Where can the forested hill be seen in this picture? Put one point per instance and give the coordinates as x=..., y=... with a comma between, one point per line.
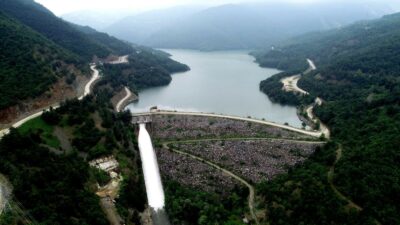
x=361, y=55
x=118, y=47
x=358, y=77
x=29, y=63
x=40, y=51
x=83, y=44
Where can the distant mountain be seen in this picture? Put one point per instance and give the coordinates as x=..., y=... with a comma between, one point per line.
x=62, y=33
x=243, y=26
x=138, y=28
x=96, y=19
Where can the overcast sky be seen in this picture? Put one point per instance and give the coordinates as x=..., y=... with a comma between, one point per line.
x=61, y=7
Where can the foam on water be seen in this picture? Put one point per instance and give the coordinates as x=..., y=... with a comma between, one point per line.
x=154, y=188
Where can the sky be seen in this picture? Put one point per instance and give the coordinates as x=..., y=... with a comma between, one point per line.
x=60, y=7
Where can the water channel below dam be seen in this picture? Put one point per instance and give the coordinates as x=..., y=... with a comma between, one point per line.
x=219, y=82
x=152, y=178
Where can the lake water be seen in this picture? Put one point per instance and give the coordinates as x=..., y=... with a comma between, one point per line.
x=218, y=82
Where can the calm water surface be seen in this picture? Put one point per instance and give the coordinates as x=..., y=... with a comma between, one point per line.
x=219, y=82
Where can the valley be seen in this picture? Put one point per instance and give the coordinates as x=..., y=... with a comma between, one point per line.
x=245, y=114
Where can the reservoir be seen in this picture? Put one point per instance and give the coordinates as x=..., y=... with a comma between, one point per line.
x=219, y=82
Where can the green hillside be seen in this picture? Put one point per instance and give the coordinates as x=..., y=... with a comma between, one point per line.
x=54, y=185
x=146, y=68
x=62, y=33
x=119, y=47
x=38, y=48
x=358, y=78
x=29, y=63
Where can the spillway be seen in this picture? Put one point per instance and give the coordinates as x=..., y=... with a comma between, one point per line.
x=154, y=188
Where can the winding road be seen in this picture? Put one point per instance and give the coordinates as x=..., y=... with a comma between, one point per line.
x=122, y=101
x=310, y=114
x=3, y=188
x=87, y=91
x=88, y=86
x=290, y=85
x=331, y=174
x=227, y=172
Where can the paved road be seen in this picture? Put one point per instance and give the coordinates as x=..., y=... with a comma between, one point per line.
x=322, y=127
x=3, y=191
x=122, y=101
x=229, y=173
x=87, y=91
x=290, y=85
x=298, y=130
x=88, y=86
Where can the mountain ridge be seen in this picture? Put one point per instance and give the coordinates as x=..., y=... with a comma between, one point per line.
x=238, y=26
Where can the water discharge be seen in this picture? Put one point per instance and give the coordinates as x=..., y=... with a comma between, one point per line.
x=154, y=188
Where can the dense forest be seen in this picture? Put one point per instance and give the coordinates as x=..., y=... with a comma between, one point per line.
x=358, y=79
x=119, y=47
x=146, y=68
x=38, y=49
x=29, y=57
x=55, y=185
x=62, y=33
x=186, y=205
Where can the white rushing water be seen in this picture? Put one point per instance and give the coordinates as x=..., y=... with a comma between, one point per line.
x=154, y=188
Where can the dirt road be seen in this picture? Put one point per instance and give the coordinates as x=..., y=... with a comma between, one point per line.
x=229, y=173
